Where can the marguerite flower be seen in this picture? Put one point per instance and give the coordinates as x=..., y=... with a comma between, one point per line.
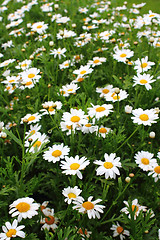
x=134, y=207
x=145, y=117
x=72, y=166
x=143, y=79
x=50, y=107
x=90, y=207
x=69, y=89
x=58, y=52
x=98, y=111
x=33, y=130
x=109, y=167
x=50, y=221
x=122, y=54
x=102, y=131
x=31, y=118
x=37, y=140
x=112, y=96
x=30, y=74
x=143, y=65
x=155, y=172
x=119, y=231
x=84, y=70
x=24, y=65
x=12, y=230
x=56, y=152
x=145, y=160
x=96, y=61
x=39, y=27
x=24, y=208
x=71, y=194
x=105, y=90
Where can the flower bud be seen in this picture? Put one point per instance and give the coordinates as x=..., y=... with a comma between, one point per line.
x=51, y=43
x=127, y=179
x=117, y=90
x=128, y=109
x=152, y=134
x=3, y=135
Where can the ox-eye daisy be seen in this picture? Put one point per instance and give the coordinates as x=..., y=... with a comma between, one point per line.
x=24, y=208
x=122, y=55
x=12, y=230
x=96, y=61
x=90, y=207
x=24, y=65
x=39, y=27
x=145, y=160
x=30, y=74
x=134, y=207
x=112, y=96
x=69, y=89
x=155, y=172
x=102, y=131
x=143, y=79
x=58, y=52
x=37, y=140
x=143, y=65
x=119, y=231
x=72, y=194
x=98, y=111
x=109, y=167
x=72, y=166
x=56, y=152
x=50, y=107
x=105, y=90
x=145, y=117
x=83, y=70
x=50, y=221
x=31, y=118
x=33, y=130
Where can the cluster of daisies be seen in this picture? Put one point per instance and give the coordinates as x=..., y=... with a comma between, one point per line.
x=65, y=42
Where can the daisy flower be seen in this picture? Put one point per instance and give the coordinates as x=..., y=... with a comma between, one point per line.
x=37, y=140
x=58, y=52
x=112, y=96
x=96, y=61
x=102, y=131
x=72, y=166
x=145, y=160
x=90, y=207
x=71, y=194
x=75, y=118
x=33, y=130
x=119, y=231
x=65, y=64
x=69, y=89
x=24, y=65
x=98, y=111
x=31, y=118
x=143, y=65
x=67, y=128
x=84, y=233
x=6, y=62
x=24, y=208
x=109, y=167
x=56, y=152
x=50, y=107
x=88, y=128
x=143, y=79
x=134, y=207
x=84, y=70
x=145, y=117
x=50, y=221
x=12, y=230
x=106, y=34
x=39, y=27
x=105, y=90
x=30, y=74
x=11, y=80
x=155, y=172
x=122, y=55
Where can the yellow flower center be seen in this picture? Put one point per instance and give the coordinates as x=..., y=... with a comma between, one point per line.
x=10, y=81
x=28, y=83
x=23, y=207
x=145, y=161
x=100, y=109
x=123, y=55
x=96, y=61
x=8, y=87
x=69, y=127
x=134, y=207
x=56, y=153
x=50, y=220
x=143, y=81
x=80, y=79
x=70, y=90
x=88, y=125
x=143, y=65
x=102, y=130
x=120, y=230
x=144, y=117
x=71, y=195
x=75, y=119
x=11, y=232
x=33, y=132
x=74, y=166
x=51, y=109
x=157, y=169
x=39, y=26
x=116, y=97
x=31, y=118
x=152, y=15
x=83, y=72
x=37, y=144
x=31, y=75
x=108, y=165
x=158, y=44
x=105, y=91
x=24, y=65
x=89, y=26
x=66, y=64
x=107, y=34
x=88, y=205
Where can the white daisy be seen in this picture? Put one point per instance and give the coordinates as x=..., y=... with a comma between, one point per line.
x=33, y=130
x=121, y=55
x=83, y=70
x=69, y=89
x=71, y=194
x=134, y=207
x=88, y=128
x=105, y=90
x=30, y=74
x=96, y=61
x=56, y=152
x=143, y=65
x=112, y=96
x=145, y=117
x=119, y=231
x=98, y=111
x=50, y=221
x=37, y=140
x=155, y=172
x=109, y=167
x=145, y=160
x=72, y=166
x=24, y=65
x=143, y=79
x=24, y=208
x=31, y=118
x=90, y=207
x=6, y=62
x=50, y=107
x=12, y=230
x=39, y=27
x=58, y=52
x=102, y=131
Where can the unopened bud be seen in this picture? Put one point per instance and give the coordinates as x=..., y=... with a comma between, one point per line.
x=152, y=134
x=128, y=109
x=151, y=40
x=49, y=85
x=3, y=135
x=135, y=43
x=25, y=120
x=51, y=43
x=31, y=57
x=23, y=49
x=27, y=97
x=117, y=90
x=127, y=179
x=131, y=175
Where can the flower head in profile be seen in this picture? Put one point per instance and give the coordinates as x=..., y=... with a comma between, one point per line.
x=145, y=117
x=49, y=221
x=119, y=231
x=90, y=207
x=12, y=230
x=24, y=208
x=72, y=166
x=135, y=207
x=109, y=167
